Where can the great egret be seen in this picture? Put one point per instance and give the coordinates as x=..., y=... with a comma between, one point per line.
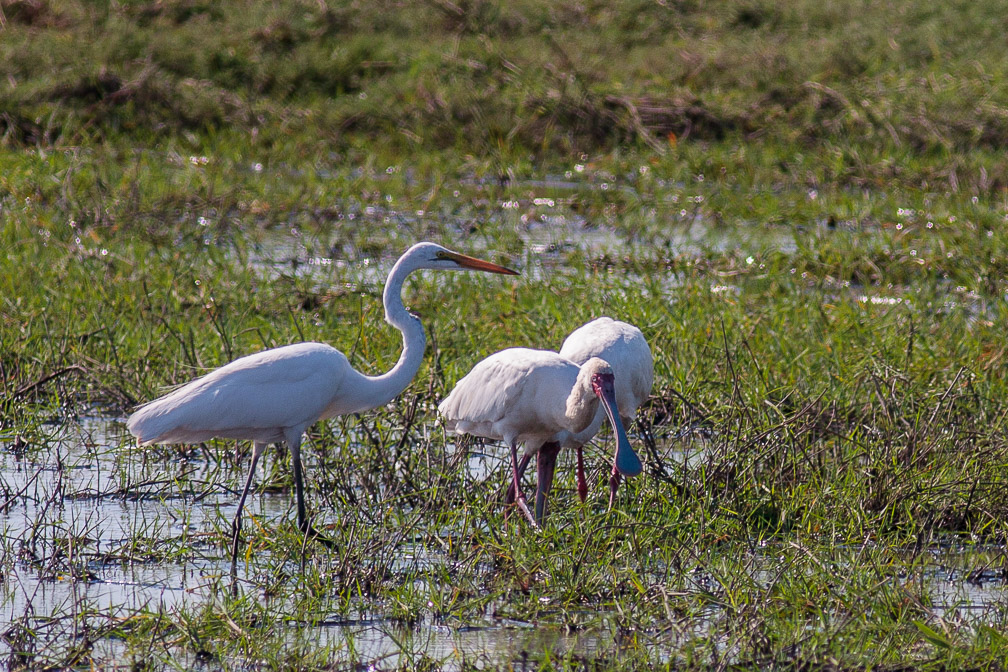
x=276, y=394
x=538, y=398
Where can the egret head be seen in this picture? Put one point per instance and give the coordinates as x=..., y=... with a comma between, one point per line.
x=434, y=256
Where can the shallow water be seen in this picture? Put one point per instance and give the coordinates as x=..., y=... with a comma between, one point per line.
x=549, y=229
x=551, y=235
x=82, y=529
x=82, y=523
x=96, y=494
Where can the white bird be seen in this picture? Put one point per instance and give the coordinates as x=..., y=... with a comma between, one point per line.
x=276, y=394
x=538, y=398
x=625, y=348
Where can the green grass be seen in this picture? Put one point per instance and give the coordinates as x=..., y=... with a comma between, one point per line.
x=808, y=203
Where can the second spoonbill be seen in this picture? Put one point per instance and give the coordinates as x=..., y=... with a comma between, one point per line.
x=538, y=398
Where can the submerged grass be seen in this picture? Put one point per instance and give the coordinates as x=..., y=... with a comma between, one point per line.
x=801, y=205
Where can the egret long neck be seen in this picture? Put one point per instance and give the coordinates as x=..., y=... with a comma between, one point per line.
x=379, y=390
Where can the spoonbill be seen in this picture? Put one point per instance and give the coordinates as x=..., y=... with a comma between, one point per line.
x=275, y=395
x=625, y=348
x=541, y=399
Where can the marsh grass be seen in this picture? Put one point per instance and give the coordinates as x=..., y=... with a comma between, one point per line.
x=800, y=432
x=801, y=205
x=811, y=452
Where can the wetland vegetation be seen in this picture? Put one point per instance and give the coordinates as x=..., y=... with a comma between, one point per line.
x=801, y=204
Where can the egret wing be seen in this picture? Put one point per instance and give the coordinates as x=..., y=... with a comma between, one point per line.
x=254, y=397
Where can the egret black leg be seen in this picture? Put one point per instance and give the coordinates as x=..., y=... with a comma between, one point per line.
x=297, y=468
x=303, y=523
x=236, y=524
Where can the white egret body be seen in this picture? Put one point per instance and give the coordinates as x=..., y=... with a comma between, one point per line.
x=275, y=395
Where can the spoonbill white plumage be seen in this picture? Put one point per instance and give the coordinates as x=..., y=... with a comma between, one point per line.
x=276, y=394
x=538, y=398
x=625, y=348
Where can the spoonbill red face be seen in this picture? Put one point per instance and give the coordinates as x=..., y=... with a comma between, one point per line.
x=626, y=461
